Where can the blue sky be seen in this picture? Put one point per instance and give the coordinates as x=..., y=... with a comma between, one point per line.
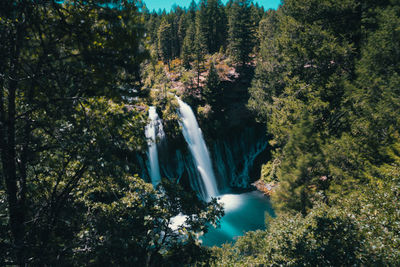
x=167, y=4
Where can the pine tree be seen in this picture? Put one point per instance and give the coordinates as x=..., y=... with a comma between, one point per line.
x=300, y=172
x=240, y=37
x=152, y=26
x=188, y=46
x=217, y=25
x=165, y=41
x=200, y=49
x=202, y=22
x=182, y=28
x=212, y=90
x=192, y=11
x=175, y=18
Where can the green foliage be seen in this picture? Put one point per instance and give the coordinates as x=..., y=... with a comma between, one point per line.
x=240, y=41
x=301, y=170
x=156, y=79
x=214, y=23
x=374, y=210
x=308, y=71
x=212, y=91
x=187, y=48
x=164, y=36
x=208, y=21
x=327, y=85
x=57, y=60
x=269, y=171
x=360, y=229
x=69, y=135
x=170, y=117
x=326, y=237
x=131, y=224
x=199, y=48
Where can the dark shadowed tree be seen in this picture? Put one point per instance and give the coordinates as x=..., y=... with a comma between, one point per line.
x=240, y=36
x=199, y=48
x=165, y=41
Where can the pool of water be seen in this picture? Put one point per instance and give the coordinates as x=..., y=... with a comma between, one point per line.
x=243, y=212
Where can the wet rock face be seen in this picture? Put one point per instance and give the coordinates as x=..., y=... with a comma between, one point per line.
x=235, y=157
x=237, y=144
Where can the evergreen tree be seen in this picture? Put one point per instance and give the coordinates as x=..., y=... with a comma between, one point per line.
x=199, y=48
x=188, y=46
x=305, y=60
x=69, y=143
x=174, y=19
x=308, y=66
x=152, y=26
x=240, y=36
x=202, y=22
x=64, y=67
x=212, y=90
x=301, y=170
x=164, y=37
x=257, y=14
x=182, y=28
x=192, y=11
x=217, y=26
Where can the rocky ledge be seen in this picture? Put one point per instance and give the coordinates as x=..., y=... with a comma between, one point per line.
x=266, y=188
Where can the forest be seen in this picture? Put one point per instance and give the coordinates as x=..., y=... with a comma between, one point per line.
x=116, y=121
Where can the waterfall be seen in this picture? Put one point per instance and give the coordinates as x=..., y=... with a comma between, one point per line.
x=197, y=146
x=154, y=129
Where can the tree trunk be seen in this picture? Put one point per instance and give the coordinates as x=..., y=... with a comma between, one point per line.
x=15, y=194
x=15, y=203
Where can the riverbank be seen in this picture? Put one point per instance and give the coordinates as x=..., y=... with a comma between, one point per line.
x=266, y=188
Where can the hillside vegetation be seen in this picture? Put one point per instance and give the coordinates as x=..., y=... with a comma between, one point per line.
x=76, y=80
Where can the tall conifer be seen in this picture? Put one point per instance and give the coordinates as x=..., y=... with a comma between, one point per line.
x=164, y=41
x=200, y=48
x=188, y=46
x=240, y=42
x=217, y=25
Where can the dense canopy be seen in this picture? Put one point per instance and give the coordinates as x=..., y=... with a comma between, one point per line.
x=76, y=80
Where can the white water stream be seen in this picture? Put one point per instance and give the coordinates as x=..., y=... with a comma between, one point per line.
x=243, y=212
x=154, y=129
x=194, y=138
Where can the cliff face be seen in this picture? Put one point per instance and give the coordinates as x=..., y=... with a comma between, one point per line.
x=235, y=157
x=237, y=144
x=236, y=160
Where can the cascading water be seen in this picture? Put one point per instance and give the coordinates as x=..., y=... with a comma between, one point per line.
x=154, y=129
x=233, y=156
x=197, y=146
